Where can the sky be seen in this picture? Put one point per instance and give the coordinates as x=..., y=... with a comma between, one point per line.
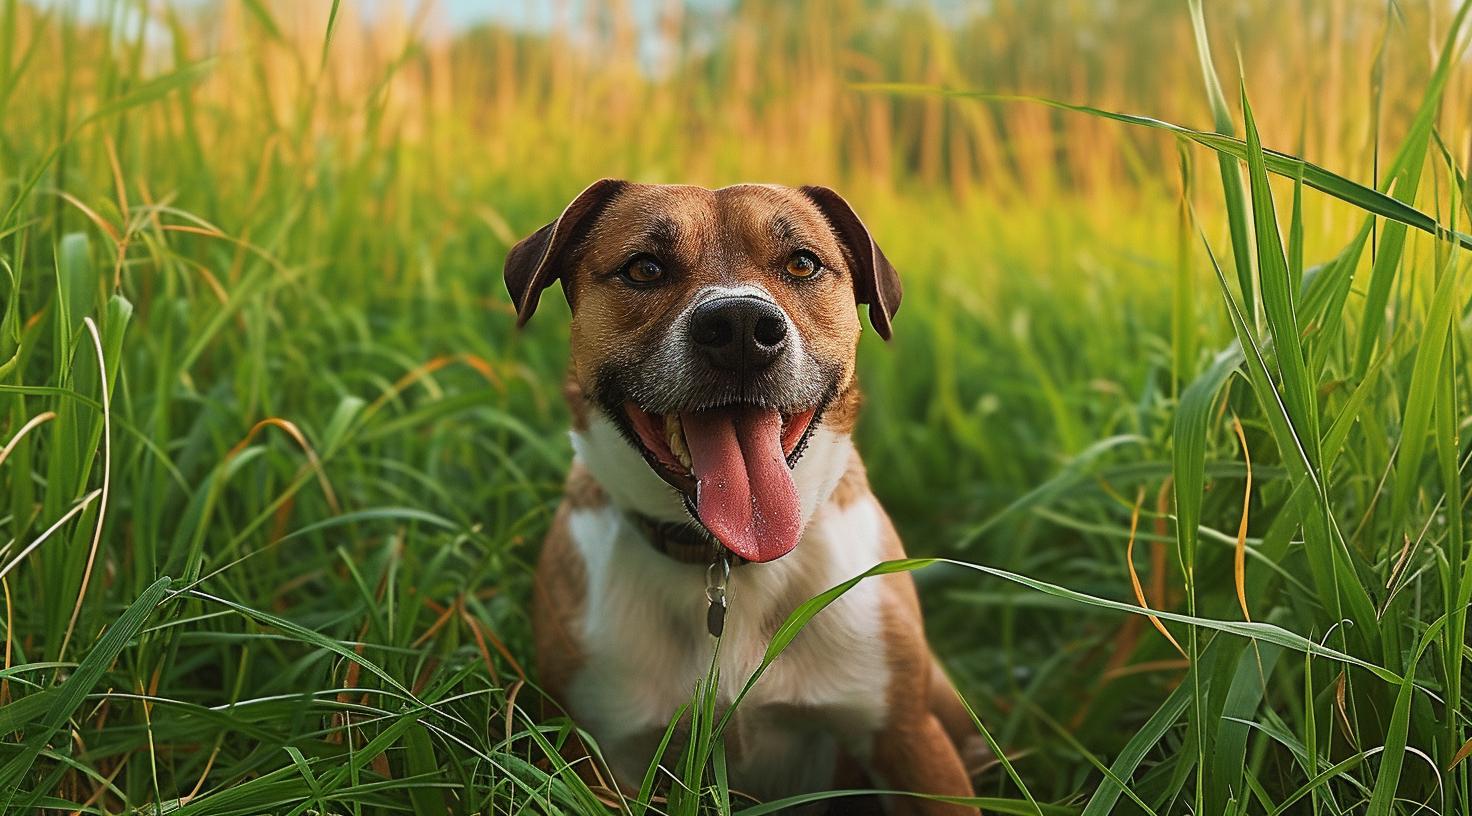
x=449, y=16
x=460, y=14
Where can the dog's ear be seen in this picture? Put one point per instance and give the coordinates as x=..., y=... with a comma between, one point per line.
x=876, y=282
x=541, y=257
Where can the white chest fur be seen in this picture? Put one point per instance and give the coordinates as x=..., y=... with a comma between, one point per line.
x=645, y=645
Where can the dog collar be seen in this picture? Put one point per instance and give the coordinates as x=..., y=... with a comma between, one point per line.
x=689, y=543
x=683, y=541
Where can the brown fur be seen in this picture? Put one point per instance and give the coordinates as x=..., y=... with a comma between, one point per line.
x=729, y=236
x=581, y=490
x=577, y=404
x=916, y=751
x=853, y=486
x=843, y=414
x=735, y=235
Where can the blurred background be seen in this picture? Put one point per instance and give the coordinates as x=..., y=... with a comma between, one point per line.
x=717, y=89
x=289, y=219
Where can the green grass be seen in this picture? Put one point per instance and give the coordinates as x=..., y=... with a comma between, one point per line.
x=281, y=561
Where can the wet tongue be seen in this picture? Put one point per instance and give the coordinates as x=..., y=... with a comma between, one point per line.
x=745, y=495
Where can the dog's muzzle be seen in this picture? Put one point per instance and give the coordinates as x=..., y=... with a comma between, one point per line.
x=721, y=408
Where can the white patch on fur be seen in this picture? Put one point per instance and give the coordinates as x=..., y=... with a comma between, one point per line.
x=645, y=644
x=718, y=291
x=823, y=463
x=622, y=471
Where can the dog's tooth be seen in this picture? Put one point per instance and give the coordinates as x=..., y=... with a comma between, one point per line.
x=675, y=434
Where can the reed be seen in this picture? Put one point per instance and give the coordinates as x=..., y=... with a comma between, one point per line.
x=1175, y=428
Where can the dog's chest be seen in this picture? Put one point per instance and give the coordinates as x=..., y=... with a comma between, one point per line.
x=645, y=649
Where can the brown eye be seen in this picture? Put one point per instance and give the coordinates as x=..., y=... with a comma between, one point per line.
x=642, y=270
x=803, y=265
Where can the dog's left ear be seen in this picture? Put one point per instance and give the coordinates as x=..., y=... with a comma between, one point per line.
x=876, y=282
x=540, y=258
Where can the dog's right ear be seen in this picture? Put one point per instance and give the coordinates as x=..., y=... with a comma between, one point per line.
x=541, y=257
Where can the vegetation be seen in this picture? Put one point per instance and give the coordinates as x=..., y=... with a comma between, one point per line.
x=274, y=462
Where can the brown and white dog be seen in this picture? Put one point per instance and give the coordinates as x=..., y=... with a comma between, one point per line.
x=713, y=394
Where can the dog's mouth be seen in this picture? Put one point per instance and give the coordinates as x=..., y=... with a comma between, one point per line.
x=733, y=466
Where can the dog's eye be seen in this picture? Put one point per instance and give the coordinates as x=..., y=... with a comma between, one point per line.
x=803, y=265
x=642, y=270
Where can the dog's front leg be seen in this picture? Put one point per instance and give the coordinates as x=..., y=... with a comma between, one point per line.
x=915, y=754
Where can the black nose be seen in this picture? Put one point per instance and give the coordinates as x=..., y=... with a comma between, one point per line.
x=738, y=333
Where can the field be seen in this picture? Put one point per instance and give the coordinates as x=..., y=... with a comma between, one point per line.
x=275, y=463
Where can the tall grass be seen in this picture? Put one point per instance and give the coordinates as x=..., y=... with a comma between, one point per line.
x=1187, y=430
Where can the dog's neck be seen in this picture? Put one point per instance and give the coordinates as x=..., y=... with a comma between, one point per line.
x=632, y=486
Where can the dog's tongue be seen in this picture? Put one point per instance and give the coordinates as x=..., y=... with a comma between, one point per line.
x=746, y=496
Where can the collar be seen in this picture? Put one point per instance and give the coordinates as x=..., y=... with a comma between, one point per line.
x=684, y=541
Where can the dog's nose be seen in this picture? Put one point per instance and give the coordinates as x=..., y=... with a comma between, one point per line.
x=740, y=333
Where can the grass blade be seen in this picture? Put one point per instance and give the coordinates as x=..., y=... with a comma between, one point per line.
x=71, y=694
x=1278, y=163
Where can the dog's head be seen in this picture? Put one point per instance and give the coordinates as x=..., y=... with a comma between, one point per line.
x=713, y=327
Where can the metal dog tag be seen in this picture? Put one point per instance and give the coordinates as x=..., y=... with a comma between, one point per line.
x=716, y=576
x=715, y=618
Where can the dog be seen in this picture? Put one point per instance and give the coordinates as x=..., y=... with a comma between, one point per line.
x=715, y=487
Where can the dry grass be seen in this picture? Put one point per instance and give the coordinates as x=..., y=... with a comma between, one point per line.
x=323, y=428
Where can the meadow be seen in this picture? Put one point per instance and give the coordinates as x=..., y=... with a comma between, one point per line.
x=1185, y=414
